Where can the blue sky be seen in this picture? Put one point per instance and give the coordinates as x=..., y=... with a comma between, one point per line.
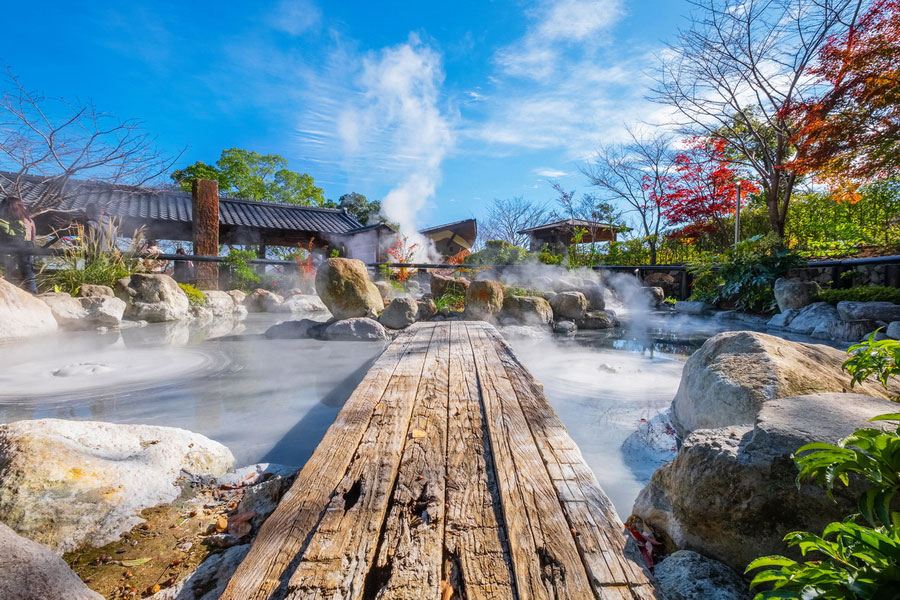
x=437, y=107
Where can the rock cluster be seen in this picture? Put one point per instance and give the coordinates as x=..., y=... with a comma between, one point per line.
x=344, y=286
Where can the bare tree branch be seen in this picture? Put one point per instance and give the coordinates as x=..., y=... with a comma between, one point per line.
x=505, y=218
x=61, y=140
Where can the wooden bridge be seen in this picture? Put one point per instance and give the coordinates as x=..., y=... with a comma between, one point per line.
x=446, y=475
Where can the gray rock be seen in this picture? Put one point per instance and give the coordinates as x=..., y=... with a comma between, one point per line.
x=302, y=304
x=566, y=327
x=812, y=316
x=209, y=580
x=783, y=319
x=23, y=315
x=355, y=330
x=795, y=294
x=102, y=310
x=594, y=294
x=71, y=484
x=221, y=304
x=344, y=286
x=655, y=294
x=292, y=330
x=569, y=305
x=153, y=297
x=89, y=290
x=686, y=575
x=67, y=310
x=729, y=379
x=385, y=289
x=238, y=296
x=845, y=331
x=731, y=493
x=400, y=313
x=893, y=330
x=530, y=310
x=261, y=300
x=668, y=283
x=597, y=319
x=30, y=571
x=427, y=309
x=872, y=311
x=692, y=307
x=262, y=498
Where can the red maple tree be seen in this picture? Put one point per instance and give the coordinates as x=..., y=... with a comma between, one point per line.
x=851, y=133
x=702, y=192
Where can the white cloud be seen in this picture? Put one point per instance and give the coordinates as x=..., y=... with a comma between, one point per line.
x=550, y=173
x=295, y=16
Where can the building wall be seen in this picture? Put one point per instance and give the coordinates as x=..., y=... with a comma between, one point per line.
x=363, y=246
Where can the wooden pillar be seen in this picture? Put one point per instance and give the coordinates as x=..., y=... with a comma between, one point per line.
x=205, y=194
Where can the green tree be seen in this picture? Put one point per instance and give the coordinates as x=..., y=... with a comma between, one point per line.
x=254, y=176
x=366, y=211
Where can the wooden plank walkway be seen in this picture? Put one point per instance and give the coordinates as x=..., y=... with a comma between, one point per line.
x=446, y=476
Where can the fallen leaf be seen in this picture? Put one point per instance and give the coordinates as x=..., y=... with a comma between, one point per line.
x=418, y=433
x=239, y=524
x=135, y=563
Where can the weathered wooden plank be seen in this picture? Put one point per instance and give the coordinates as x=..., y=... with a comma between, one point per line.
x=545, y=559
x=600, y=535
x=477, y=565
x=340, y=552
x=409, y=560
x=283, y=535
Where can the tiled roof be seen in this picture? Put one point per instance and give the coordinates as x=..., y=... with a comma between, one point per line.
x=172, y=205
x=570, y=223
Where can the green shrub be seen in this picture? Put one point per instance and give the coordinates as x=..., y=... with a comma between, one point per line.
x=706, y=278
x=453, y=299
x=498, y=252
x=242, y=275
x=861, y=555
x=750, y=270
x=868, y=293
x=868, y=358
x=195, y=296
x=520, y=291
x=84, y=260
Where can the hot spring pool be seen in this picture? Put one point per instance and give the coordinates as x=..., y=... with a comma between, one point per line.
x=272, y=400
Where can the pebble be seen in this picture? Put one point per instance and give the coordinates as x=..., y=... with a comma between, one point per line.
x=185, y=546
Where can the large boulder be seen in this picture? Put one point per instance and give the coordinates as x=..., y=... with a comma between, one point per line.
x=893, y=330
x=261, y=300
x=686, y=575
x=66, y=310
x=731, y=492
x=869, y=311
x=221, y=304
x=71, y=484
x=103, y=311
x=30, y=571
x=484, y=299
x=86, y=312
x=344, y=286
x=597, y=319
x=812, y=317
x=729, y=379
x=530, y=310
x=153, y=297
x=594, y=294
x=89, y=290
x=292, y=330
x=400, y=313
x=795, y=294
x=360, y=329
x=569, y=306
x=846, y=331
x=440, y=285
x=23, y=315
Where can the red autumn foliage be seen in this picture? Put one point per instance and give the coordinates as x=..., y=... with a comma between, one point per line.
x=852, y=132
x=702, y=191
x=306, y=266
x=401, y=251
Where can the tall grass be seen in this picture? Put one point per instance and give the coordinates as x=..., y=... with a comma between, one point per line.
x=86, y=259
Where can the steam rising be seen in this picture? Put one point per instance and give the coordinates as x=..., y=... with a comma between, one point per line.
x=400, y=89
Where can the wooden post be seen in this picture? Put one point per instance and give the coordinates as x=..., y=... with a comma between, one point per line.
x=205, y=195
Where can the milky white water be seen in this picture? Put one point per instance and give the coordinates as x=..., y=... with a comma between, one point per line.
x=272, y=400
